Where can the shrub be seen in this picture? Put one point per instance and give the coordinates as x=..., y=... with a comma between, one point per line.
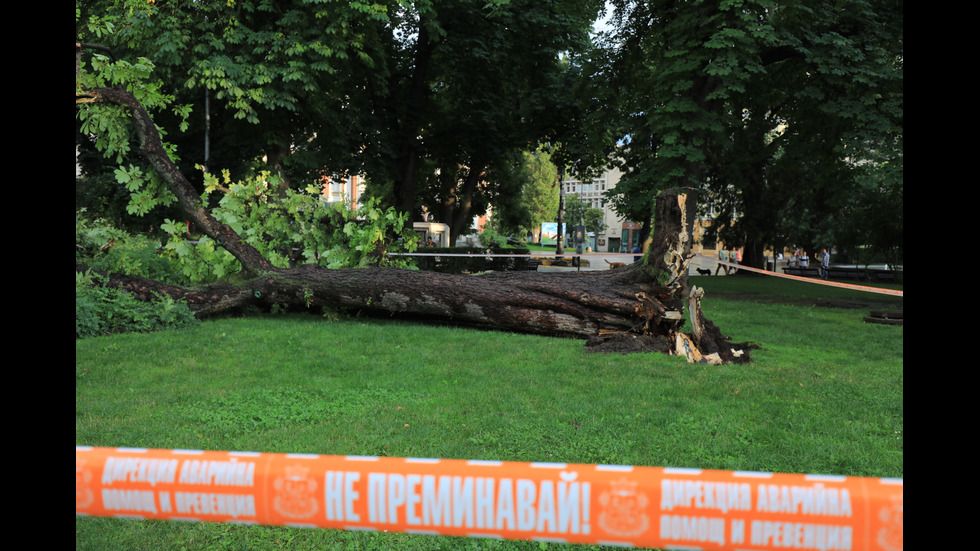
x=105, y=248
x=296, y=227
x=101, y=310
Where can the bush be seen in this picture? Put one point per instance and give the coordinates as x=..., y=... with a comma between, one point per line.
x=101, y=310
x=105, y=248
x=296, y=228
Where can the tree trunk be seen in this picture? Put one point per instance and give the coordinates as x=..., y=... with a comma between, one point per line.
x=459, y=220
x=643, y=301
x=610, y=308
x=411, y=127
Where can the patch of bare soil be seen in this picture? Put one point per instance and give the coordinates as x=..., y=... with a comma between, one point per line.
x=631, y=343
x=738, y=353
x=730, y=352
x=849, y=304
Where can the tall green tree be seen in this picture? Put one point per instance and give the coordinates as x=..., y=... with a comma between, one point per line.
x=405, y=93
x=269, y=82
x=540, y=192
x=767, y=108
x=494, y=90
x=577, y=211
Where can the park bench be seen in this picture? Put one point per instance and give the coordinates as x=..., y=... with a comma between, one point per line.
x=864, y=273
x=804, y=272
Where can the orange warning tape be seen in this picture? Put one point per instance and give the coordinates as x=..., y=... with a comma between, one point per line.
x=865, y=288
x=554, y=502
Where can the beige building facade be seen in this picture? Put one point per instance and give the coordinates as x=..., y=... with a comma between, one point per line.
x=620, y=235
x=337, y=188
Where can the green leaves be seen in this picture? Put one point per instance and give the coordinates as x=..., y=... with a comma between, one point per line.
x=132, y=177
x=147, y=190
x=109, y=125
x=753, y=101
x=103, y=310
x=198, y=259
x=362, y=237
x=292, y=227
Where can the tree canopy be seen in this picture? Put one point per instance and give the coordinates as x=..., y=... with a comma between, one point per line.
x=743, y=99
x=781, y=112
x=432, y=101
x=787, y=116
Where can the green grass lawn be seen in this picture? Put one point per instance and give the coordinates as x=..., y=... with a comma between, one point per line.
x=823, y=394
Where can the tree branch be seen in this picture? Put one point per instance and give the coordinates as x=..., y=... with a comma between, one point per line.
x=151, y=147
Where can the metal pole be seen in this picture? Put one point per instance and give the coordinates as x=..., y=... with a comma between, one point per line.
x=561, y=211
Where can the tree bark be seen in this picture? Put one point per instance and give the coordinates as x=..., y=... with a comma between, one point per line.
x=409, y=159
x=151, y=147
x=646, y=299
x=459, y=214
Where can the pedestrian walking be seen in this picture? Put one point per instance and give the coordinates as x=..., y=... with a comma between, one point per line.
x=723, y=257
x=736, y=257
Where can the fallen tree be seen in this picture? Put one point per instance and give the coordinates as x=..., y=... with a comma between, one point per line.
x=640, y=307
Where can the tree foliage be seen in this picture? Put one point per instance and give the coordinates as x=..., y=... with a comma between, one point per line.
x=773, y=109
x=578, y=211
x=540, y=193
x=431, y=101
x=788, y=116
x=290, y=229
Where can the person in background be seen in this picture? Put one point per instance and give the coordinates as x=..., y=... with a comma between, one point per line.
x=824, y=263
x=723, y=257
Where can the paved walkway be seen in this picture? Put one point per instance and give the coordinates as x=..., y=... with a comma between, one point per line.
x=599, y=261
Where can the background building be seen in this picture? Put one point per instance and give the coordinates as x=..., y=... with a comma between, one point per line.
x=620, y=235
x=339, y=188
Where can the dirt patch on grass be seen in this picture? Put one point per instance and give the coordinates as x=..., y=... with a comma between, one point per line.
x=846, y=303
x=632, y=343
